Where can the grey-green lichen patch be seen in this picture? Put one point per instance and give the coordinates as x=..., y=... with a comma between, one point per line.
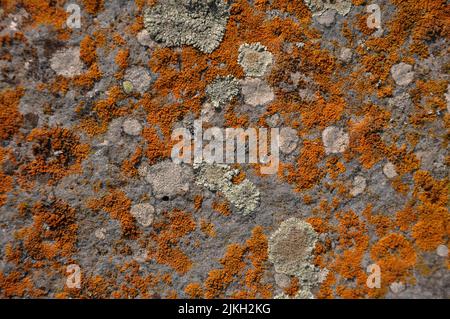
x=200, y=23
x=218, y=177
x=222, y=90
x=244, y=196
x=318, y=7
x=291, y=251
x=254, y=59
x=214, y=177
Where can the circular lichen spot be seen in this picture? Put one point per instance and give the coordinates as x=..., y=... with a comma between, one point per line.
x=254, y=59
x=143, y=213
x=127, y=87
x=291, y=246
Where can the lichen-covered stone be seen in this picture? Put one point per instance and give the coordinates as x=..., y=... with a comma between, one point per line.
x=127, y=87
x=244, y=196
x=144, y=39
x=288, y=140
x=397, y=287
x=359, y=185
x=346, y=55
x=442, y=251
x=389, y=170
x=327, y=18
x=291, y=250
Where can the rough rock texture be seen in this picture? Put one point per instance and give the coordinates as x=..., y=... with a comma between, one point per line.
x=86, y=123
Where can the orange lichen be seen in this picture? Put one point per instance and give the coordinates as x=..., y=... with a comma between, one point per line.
x=433, y=216
x=219, y=279
x=15, y=284
x=306, y=173
x=365, y=139
x=198, y=201
x=10, y=117
x=396, y=256
x=122, y=58
x=293, y=287
x=7, y=181
x=53, y=232
x=169, y=233
x=322, y=113
x=118, y=205
x=335, y=167
x=88, y=78
x=308, y=199
x=129, y=166
x=234, y=265
x=93, y=6
x=46, y=12
x=57, y=153
x=88, y=47
x=157, y=149
x=239, y=178
x=222, y=207
x=194, y=290
x=137, y=26
x=405, y=218
x=347, y=265
x=107, y=109
x=207, y=228
x=399, y=186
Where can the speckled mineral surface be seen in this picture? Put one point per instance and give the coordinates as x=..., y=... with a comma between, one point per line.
x=136, y=139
